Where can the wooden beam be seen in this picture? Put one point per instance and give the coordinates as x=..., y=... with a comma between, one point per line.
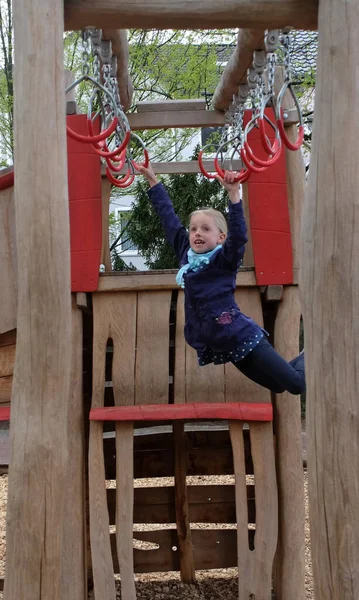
x=120, y=49
x=330, y=298
x=235, y=71
x=118, y=281
x=176, y=168
x=184, y=14
x=161, y=105
x=170, y=119
x=39, y=443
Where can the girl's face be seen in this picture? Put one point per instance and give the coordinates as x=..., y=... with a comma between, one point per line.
x=204, y=235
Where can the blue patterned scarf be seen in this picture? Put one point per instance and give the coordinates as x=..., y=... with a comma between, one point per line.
x=195, y=263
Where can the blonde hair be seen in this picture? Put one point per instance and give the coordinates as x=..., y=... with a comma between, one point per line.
x=216, y=215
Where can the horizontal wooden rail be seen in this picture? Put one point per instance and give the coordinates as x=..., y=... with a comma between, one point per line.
x=179, y=168
x=126, y=281
x=168, y=119
x=183, y=14
x=240, y=411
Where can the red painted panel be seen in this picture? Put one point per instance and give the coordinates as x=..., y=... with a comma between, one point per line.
x=240, y=411
x=85, y=203
x=269, y=217
x=4, y=413
x=6, y=180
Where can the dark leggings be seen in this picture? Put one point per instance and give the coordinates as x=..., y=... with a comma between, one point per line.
x=265, y=366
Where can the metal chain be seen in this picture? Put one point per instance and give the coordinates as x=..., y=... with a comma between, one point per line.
x=271, y=44
x=271, y=65
x=85, y=52
x=96, y=36
x=287, y=66
x=106, y=58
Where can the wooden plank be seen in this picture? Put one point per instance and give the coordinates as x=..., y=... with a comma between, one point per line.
x=237, y=385
x=103, y=575
x=208, y=453
x=242, y=411
x=181, y=506
x=6, y=384
x=74, y=562
x=235, y=71
x=120, y=49
x=152, y=369
x=163, y=105
x=8, y=261
x=180, y=167
x=258, y=571
x=213, y=549
x=207, y=504
x=39, y=441
x=124, y=508
x=118, y=281
x=176, y=14
x=7, y=360
x=290, y=565
x=115, y=318
x=172, y=119
x=295, y=174
x=248, y=255
x=104, y=316
x=193, y=383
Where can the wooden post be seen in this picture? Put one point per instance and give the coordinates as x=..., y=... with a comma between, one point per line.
x=289, y=563
x=105, y=249
x=41, y=392
x=330, y=299
x=120, y=49
x=182, y=508
x=74, y=563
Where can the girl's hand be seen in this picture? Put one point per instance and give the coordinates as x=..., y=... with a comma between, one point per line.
x=149, y=173
x=230, y=185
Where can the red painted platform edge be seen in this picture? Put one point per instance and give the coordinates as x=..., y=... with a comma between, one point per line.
x=238, y=411
x=6, y=180
x=5, y=413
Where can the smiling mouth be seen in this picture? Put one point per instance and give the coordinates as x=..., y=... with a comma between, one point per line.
x=199, y=242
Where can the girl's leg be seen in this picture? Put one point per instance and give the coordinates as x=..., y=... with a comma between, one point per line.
x=267, y=368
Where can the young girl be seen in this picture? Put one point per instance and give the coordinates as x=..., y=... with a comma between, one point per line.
x=209, y=257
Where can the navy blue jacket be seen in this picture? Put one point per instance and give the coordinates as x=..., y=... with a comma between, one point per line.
x=210, y=291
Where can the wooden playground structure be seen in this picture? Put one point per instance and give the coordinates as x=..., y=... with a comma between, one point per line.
x=126, y=336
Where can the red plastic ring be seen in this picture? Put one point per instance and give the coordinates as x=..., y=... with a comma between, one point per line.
x=146, y=161
x=286, y=141
x=258, y=161
x=85, y=139
x=121, y=183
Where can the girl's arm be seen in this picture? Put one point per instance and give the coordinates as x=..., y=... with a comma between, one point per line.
x=176, y=234
x=234, y=246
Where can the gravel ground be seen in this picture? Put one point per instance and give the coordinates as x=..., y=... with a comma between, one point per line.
x=210, y=585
